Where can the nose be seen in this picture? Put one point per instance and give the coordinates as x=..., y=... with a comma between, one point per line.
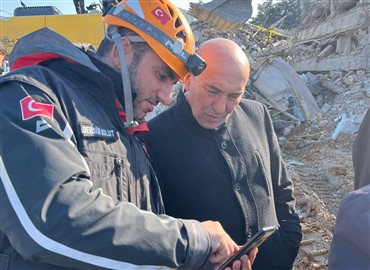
x=219, y=105
x=165, y=94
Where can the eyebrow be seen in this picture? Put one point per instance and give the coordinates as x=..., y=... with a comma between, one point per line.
x=170, y=73
x=215, y=88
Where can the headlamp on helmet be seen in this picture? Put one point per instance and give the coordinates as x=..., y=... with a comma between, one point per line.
x=162, y=25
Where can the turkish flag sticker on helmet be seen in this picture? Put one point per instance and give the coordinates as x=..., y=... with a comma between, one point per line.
x=161, y=16
x=31, y=108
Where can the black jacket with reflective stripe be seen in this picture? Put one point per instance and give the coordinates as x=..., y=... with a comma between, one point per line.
x=73, y=182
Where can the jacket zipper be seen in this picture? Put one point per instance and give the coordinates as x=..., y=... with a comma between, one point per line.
x=119, y=177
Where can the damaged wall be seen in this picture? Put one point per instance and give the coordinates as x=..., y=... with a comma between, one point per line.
x=336, y=35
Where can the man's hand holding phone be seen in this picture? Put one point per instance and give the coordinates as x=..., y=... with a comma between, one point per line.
x=245, y=262
x=250, y=248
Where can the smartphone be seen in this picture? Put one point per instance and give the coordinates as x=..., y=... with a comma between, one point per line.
x=255, y=241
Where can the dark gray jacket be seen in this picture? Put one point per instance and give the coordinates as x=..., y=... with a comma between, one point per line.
x=361, y=153
x=234, y=174
x=350, y=248
x=74, y=184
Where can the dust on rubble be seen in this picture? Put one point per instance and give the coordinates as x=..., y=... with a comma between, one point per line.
x=323, y=177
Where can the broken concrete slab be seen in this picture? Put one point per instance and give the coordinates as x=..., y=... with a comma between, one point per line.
x=351, y=20
x=281, y=85
x=356, y=61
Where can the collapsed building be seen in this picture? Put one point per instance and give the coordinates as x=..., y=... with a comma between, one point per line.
x=333, y=36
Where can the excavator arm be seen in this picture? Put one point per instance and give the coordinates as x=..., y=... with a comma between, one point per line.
x=223, y=14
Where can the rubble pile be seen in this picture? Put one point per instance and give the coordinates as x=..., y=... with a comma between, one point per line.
x=334, y=36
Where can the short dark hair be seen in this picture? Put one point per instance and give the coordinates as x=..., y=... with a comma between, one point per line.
x=106, y=45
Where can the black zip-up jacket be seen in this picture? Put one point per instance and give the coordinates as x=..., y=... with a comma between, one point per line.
x=234, y=174
x=74, y=184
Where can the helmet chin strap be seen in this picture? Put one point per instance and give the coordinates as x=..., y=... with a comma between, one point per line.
x=114, y=36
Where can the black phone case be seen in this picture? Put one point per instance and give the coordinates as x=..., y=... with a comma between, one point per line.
x=255, y=241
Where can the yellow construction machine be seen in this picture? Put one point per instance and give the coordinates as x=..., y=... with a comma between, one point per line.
x=79, y=28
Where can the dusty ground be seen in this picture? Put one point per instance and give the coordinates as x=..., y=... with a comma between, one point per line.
x=322, y=171
x=323, y=179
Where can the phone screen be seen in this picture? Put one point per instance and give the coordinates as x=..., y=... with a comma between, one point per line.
x=255, y=241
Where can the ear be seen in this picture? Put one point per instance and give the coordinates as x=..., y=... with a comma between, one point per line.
x=187, y=81
x=128, y=53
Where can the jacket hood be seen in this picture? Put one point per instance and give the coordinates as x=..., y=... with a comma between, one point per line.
x=45, y=44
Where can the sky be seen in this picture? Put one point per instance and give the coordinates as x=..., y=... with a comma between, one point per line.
x=66, y=6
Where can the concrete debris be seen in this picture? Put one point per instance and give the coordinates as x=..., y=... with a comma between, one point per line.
x=335, y=36
x=342, y=121
x=332, y=86
x=281, y=85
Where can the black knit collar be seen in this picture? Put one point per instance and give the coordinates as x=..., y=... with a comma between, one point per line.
x=187, y=115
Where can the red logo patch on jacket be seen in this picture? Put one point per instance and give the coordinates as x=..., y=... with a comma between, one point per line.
x=31, y=108
x=161, y=16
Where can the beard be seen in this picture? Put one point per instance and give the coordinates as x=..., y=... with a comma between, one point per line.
x=139, y=95
x=135, y=86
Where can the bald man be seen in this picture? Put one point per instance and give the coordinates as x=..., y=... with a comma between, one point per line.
x=218, y=158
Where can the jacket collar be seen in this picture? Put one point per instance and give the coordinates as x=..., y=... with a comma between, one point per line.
x=187, y=114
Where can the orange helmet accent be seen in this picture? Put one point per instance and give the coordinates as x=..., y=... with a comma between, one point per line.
x=162, y=25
